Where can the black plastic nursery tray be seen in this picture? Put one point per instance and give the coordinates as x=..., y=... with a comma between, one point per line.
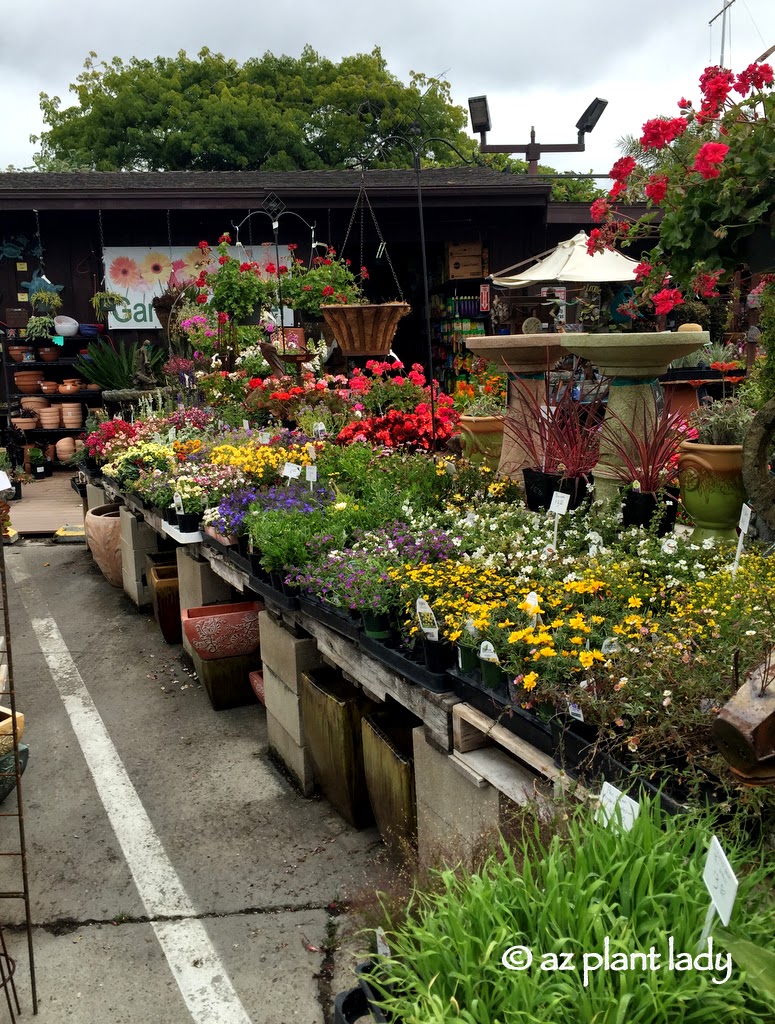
x=412, y=671
x=271, y=595
x=335, y=619
x=521, y=723
x=233, y=554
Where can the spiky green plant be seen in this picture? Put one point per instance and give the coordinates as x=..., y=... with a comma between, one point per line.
x=113, y=367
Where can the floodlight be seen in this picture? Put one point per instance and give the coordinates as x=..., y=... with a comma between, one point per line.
x=591, y=115
x=480, y=113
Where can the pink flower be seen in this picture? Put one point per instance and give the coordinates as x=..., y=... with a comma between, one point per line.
x=599, y=210
x=709, y=156
x=642, y=271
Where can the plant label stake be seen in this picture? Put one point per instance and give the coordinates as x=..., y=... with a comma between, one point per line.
x=426, y=619
x=559, y=507
x=292, y=470
x=310, y=450
x=382, y=943
x=177, y=501
x=721, y=882
x=745, y=522
x=319, y=430
x=487, y=653
x=311, y=474
x=264, y=437
x=246, y=425
x=613, y=805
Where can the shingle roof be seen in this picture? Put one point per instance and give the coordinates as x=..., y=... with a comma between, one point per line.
x=20, y=190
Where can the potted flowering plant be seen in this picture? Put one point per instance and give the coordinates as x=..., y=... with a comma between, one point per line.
x=236, y=288
x=328, y=281
x=708, y=171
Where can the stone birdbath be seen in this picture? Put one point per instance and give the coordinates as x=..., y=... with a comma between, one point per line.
x=633, y=362
x=527, y=357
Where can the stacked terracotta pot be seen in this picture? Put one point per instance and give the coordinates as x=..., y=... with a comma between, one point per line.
x=72, y=415
x=50, y=417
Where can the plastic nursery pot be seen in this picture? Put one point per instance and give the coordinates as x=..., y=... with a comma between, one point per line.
x=188, y=522
x=439, y=654
x=539, y=488
x=170, y=515
x=376, y=625
x=640, y=507
x=467, y=660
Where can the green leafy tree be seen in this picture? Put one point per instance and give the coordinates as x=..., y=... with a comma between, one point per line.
x=211, y=113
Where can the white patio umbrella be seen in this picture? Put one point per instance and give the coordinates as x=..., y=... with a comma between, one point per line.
x=570, y=261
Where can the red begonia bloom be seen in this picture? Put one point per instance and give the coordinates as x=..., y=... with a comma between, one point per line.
x=623, y=168
x=328, y=290
x=642, y=271
x=708, y=157
x=656, y=187
x=223, y=318
x=599, y=210
x=659, y=132
x=666, y=300
x=223, y=259
x=201, y=299
x=203, y=246
x=225, y=237
x=705, y=284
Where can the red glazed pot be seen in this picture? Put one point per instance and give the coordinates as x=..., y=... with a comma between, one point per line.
x=223, y=630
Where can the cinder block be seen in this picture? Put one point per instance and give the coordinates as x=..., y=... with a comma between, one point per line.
x=136, y=589
x=454, y=815
x=294, y=757
x=136, y=533
x=199, y=585
x=286, y=655
x=95, y=496
x=284, y=705
x=133, y=561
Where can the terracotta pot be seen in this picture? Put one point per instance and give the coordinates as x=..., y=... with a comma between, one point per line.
x=365, y=330
x=49, y=419
x=222, y=630
x=23, y=423
x=165, y=598
x=48, y=355
x=69, y=389
x=712, y=488
x=65, y=448
x=102, y=527
x=34, y=402
x=49, y=387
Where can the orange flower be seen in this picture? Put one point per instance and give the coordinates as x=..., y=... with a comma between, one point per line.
x=124, y=271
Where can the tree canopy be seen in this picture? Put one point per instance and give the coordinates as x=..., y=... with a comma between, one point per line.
x=269, y=113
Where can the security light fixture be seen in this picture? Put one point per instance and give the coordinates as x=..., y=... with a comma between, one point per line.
x=480, y=122
x=480, y=113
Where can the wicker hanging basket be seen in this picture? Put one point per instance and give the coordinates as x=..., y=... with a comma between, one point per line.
x=365, y=330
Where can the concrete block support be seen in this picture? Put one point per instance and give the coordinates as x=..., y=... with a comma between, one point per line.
x=294, y=757
x=135, y=532
x=454, y=815
x=198, y=585
x=136, y=590
x=284, y=705
x=286, y=655
x=95, y=496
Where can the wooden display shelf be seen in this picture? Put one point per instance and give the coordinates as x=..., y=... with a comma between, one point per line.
x=476, y=737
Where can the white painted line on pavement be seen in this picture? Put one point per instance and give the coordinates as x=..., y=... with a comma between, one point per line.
x=197, y=968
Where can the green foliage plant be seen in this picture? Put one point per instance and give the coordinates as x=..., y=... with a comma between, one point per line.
x=636, y=890
x=36, y=457
x=107, y=302
x=39, y=327
x=44, y=300
x=113, y=367
x=722, y=422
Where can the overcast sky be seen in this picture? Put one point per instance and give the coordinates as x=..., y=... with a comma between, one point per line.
x=539, y=63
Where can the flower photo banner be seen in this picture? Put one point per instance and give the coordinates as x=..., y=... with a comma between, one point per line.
x=142, y=273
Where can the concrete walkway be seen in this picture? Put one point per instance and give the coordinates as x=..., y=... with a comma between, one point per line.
x=175, y=874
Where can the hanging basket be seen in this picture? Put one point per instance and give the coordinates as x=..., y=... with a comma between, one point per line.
x=365, y=330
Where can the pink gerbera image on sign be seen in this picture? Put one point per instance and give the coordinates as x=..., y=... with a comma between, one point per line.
x=125, y=272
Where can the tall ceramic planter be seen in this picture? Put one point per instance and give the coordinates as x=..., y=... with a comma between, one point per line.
x=365, y=330
x=482, y=438
x=712, y=488
x=102, y=527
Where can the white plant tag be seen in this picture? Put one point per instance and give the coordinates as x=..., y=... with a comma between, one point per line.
x=745, y=518
x=575, y=712
x=451, y=469
x=177, y=501
x=311, y=474
x=487, y=652
x=319, y=430
x=426, y=619
x=5, y=483
x=310, y=449
x=614, y=804
x=560, y=502
x=172, y=434
x=291, y=470
x=720, y=880
x=264, y=437
x=246, y=425
x=382, y=944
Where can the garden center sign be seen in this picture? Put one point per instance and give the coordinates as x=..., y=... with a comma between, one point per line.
x=143, y=273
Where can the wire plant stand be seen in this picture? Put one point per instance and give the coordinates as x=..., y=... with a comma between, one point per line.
x=13, y=847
